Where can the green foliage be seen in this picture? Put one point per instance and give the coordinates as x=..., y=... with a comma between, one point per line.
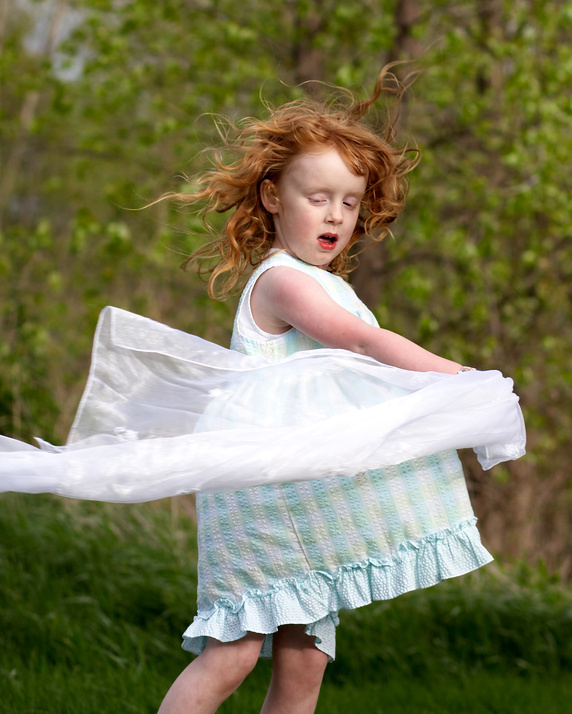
x=111, y=103
x=481, y=267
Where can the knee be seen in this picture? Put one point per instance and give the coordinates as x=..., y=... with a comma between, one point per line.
x=311, y=666
x=234, y=660
x=305, y=667
x=246, y=656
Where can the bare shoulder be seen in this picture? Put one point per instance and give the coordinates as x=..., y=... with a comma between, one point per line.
x=280, y=295
x=284, y=282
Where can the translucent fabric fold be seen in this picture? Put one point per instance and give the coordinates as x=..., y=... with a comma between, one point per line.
x=166, y=413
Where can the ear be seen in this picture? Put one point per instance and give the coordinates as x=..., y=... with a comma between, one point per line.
x=269, y=197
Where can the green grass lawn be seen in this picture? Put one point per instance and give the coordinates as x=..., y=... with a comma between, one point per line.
x=482, y=693
x=49, y=689
x=94, y=597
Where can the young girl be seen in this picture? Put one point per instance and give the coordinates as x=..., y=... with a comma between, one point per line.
x=277, y=562
x=166, y=413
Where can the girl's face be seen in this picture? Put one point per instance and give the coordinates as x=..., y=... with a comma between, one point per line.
x=315, y=205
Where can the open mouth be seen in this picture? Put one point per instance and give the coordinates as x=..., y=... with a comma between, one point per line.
x=327, y=240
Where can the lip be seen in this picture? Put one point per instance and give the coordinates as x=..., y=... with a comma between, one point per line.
x=328, y=241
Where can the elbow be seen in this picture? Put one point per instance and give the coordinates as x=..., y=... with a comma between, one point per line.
x=360, y=348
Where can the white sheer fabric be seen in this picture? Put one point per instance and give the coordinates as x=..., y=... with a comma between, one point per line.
x=166, y=413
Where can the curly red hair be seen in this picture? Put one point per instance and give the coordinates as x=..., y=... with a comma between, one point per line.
x=264, y=147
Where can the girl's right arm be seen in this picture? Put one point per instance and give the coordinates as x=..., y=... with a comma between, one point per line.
x=284, y=297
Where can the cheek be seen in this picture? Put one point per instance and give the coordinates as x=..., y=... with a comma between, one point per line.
x=300, y=217
x=353, y=236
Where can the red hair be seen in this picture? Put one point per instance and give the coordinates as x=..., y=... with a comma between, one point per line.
x=264, y=147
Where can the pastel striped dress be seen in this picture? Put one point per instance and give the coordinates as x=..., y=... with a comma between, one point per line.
x=300, y=552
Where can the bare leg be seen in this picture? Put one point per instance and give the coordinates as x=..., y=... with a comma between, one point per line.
x=212, y=676
x=297, y=671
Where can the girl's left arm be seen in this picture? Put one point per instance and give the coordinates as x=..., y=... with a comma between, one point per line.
x=285, y=297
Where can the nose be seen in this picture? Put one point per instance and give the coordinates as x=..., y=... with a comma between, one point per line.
x=335, y=214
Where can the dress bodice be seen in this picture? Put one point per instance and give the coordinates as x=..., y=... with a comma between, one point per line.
x=247, y=337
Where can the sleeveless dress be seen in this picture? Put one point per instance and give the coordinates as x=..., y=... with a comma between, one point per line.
x=300, y=552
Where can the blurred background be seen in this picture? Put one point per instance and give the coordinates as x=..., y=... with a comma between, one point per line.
x=105, y=104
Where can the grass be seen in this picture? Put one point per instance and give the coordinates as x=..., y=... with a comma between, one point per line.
x=94, y=597
x=113, y=691
x=482, y=693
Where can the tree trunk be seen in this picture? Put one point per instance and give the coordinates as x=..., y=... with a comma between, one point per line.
x=367, y=278
x=307, y=58
x=4, y=7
